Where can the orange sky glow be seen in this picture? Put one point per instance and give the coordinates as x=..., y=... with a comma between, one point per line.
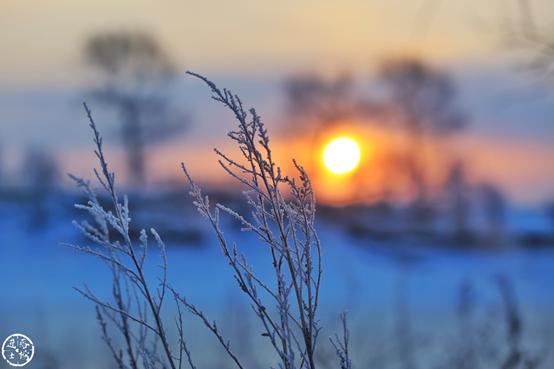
x=250, y=40
x=373, y=180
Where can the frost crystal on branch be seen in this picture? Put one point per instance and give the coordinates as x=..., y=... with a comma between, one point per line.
x=136, y=308
x=283, y=212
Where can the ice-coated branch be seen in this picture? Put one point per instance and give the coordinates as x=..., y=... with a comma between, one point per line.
x=212, y=326
x=283, y=219
x=126, y=261
x=283, y=216
x=341, y=344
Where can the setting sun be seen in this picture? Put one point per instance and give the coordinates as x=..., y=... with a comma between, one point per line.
x=341, y=155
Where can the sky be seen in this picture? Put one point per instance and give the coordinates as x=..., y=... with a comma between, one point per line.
x=41, y=39
x=251, y=46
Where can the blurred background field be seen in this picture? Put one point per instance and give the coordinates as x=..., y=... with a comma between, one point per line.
x=437, y=230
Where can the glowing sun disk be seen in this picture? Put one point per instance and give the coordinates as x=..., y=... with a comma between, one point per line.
x=341, y=155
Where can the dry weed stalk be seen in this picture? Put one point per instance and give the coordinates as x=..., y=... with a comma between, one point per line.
x=137, y=303
x=286, y=227
x=283, y=215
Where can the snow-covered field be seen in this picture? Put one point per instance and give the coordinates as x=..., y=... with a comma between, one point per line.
x=368, y=279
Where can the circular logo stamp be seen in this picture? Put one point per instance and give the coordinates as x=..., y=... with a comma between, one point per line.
x=18, y=350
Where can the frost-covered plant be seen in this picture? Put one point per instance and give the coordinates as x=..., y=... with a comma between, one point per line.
x=341, y=344
x=136, y=308
x=283, y=215
x=285, y=224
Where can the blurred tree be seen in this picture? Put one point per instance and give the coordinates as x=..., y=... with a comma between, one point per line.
x=40, y=174
x=458, y=200
x=318, y=102
x=423, y=101
x=315, y=105
x=39, y=170
x=495, y=208
x=137, y=74
x=524, y=32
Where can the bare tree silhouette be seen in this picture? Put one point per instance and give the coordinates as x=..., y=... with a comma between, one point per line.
x=315, y=101
x=523, y=32
x=457, y=191
x=422, y=100
x=40, y=174
x=137, y=74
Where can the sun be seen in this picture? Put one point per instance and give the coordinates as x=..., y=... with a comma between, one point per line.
x=342, y=155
